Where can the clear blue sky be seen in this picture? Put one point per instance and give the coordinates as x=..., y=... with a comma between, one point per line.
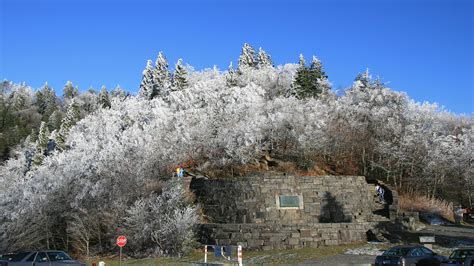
x=422, y=47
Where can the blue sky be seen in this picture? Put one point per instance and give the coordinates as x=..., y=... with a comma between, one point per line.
x=424, y=48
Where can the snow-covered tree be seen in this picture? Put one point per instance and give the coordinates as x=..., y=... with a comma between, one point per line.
x=70, y=91
x=231, y=76
x=118, y=92
x=46, y=101
x=247, y=58
x=179, y=76
x=69, y=120
x=104, y=100
x=161, y=76
x=41, y=144
x=263, y=59
x=147, y=87
x=312, y=81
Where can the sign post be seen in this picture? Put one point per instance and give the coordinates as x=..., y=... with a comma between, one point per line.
x=121, y=241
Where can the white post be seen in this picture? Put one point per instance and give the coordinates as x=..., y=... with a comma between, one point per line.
x=205, y=253
x=101, y=263
x=239, y=255
x=120, y=258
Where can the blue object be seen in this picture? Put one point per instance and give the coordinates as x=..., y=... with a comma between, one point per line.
x=228, y=251
x=217, y=251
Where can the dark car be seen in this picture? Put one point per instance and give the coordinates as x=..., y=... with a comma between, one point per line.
x=43, y=258
x=460, y=257
x=5, y=258
x=409, y=255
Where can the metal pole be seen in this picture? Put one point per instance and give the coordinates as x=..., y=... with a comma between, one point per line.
x=239, y=255
x=205, y=254
x=120, y=257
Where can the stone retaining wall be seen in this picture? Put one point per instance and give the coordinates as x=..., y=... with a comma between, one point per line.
x=323, y=199
x=270, y=236
x=331, y=210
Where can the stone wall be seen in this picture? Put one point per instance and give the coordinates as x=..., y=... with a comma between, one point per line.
x=332, y=210
x=270, y=236
x=325, y=199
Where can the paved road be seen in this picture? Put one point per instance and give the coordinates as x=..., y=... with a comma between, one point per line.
x=342, y=259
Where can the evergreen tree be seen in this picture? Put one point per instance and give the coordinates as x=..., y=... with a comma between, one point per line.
x=70, y=91
x=231, y=77
x=104, y=100
x=146, y=87
x=247, y=58
x=263, y=59
x=301, y=62
x=161, y=76
x=364, y=79
x=179, y=77
x=71, y=118
x=54, y=121
x=41, y=144
x=46, y=102
x=312, y=81
x=118, y=92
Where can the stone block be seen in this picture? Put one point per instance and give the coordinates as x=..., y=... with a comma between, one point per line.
x=297, y=235
x=255, y=243
x=293, y=241
x=331, y=242
x=305, y=233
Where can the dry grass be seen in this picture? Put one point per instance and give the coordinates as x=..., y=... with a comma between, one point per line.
x=427, y=205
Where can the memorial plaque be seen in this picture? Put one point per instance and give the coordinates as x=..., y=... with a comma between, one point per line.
x=289, y=201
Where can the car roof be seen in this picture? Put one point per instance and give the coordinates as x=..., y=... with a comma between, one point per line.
x=408, y=246
x=464, y=248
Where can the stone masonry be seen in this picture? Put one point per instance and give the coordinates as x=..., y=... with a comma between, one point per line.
x=332, y=210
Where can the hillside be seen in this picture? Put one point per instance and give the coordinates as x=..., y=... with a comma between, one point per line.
x=113, y=166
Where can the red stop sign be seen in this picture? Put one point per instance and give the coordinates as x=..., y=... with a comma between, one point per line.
x=121, y=241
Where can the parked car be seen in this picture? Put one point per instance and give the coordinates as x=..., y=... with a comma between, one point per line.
x=460, y=257
x=468, y=215
x=43, y=258
x=5, y=258
x=409, y=255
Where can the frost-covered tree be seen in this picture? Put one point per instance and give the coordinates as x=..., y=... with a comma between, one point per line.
x=69, y=120
x=163, y=220
x=46, y=101
x=69, y=91
x=231, y=76
x=312, y=81
x=104, y=100
x=263, y=59
x=161, y=76
x=41, y=144
x=247, y=58
x=118, y=92
x=179, y=76
x=147, y=87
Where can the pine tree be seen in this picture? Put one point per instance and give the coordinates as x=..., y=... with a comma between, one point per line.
x=312, y=81
x=46, y=101
x=301, y=62
x=71, y=118
x=364, y=79
x=41, y=144
x=70, y=91
x=179, y=77
x=263, y=59
x=161, y=76
x=231, y=77
x=118, y=92
x=247, y=58
x=54, y=121
x=104, y=100
x=146, y=87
